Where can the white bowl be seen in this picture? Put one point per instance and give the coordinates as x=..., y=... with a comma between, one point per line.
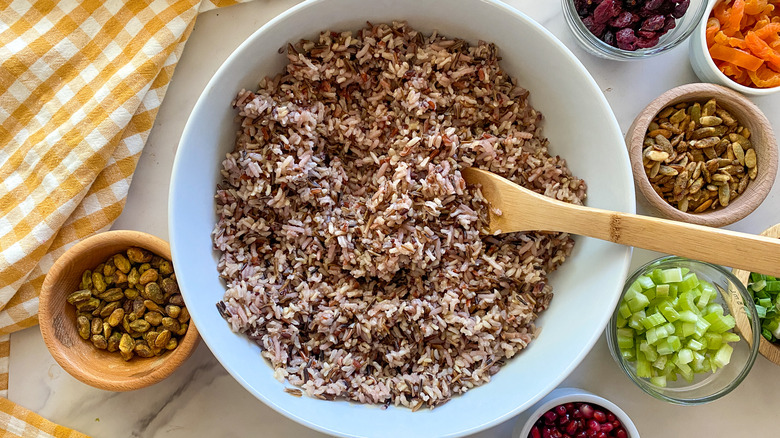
x=526, y=420
x=581, y=127
x=705, y=67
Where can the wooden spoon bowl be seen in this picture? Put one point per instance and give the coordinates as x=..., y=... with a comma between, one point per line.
x=767, y=349
x=748, y=114
x=100, y=368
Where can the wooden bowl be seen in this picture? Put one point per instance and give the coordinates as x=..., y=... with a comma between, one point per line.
x=747, y=114
x=767, y=349
x=80, y=358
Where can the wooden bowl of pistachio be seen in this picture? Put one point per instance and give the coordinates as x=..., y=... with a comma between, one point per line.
x=703, y=154
x=111, y=313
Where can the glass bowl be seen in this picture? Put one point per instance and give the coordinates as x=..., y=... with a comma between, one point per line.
x=684, y=27
x=736, y=301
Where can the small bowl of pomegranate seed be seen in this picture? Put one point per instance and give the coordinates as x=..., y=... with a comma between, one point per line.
x=624, y=30
x=574, y=413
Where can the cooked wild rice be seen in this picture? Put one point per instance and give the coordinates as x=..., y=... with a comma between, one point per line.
x=350, y=243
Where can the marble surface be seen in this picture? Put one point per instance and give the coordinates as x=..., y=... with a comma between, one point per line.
x=201, y=399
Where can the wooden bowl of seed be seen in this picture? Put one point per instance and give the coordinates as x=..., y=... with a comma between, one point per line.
x=111, y=314
x=770, y=350
x=703, y=154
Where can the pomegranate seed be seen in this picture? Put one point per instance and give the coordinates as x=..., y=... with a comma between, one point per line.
x=547, y=433
x=535, y=432
x=599, y=416
x=621, y=433
x=569, y=406
x=581, y=434
x=587, y=411
x=616, y=424
x=550, y=417
x=601, y=435
x=591, y=433
x=572, y=427
x=560, y=410
x=564, y=419
x=611, y=417
x=556, y=433
x=607, y=427
x=576, y=414
x=594, y=425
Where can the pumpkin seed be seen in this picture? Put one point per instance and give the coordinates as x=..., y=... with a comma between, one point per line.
x=750, y=158
x=710, y=121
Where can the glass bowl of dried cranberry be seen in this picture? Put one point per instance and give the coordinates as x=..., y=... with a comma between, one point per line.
x=574, y=413
x=632, y=29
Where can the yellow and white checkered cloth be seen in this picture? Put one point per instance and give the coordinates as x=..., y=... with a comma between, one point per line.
x=80, y=86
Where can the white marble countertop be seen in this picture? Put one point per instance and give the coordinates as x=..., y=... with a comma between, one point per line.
x=201, y=399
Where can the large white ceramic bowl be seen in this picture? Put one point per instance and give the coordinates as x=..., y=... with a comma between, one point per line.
x=581, y=127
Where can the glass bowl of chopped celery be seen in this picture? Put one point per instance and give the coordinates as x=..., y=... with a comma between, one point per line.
x=684, y=331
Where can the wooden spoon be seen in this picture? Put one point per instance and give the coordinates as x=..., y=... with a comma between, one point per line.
x=524, y=210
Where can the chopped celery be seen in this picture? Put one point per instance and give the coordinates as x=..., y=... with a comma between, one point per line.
x=723, y=356
x=772, y=286
x=645, y=281
x=669, y=323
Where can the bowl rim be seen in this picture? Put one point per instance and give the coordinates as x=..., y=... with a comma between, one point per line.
x=174, y=237
x=757, y=190
x=174, y=359
x=571, y=395
x=769, y=350
x=702, y=42
x=611, y=333
x=600, y=48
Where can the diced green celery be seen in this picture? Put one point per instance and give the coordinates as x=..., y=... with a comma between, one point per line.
x=648, y=351
x=631, y=292
x=688, y=316
x=621, y=322
x=759, y=285
x=689, y=282
x=672, y=291
x=650, y=294
x=695, y=345
x=656, y=276
x=713, y=307
x=767, y=335
x=628, y=354
x=652, y=335
x=684, y=356
x=635, y=320
x=663, y=348
x=720, y=324
x=685, y=271
x=729, y=337
x=701, y=327
x=674, y=342
x=707, y=293
x=683, y=367
x=761, y=311
x=653, y=320
x=671, y=377
x=623, y=310
x=723, y=356
x=625, y=337
x=669, y=328
x=659, y=381
x=660, y=363
x=686, y=302
x=644, y=368
x=645, y=281
x=667, y=310
x=662, y=290
x=638, y=302
x=698, y=362
x=714, y=340
x=672, y=275
x=688, y=329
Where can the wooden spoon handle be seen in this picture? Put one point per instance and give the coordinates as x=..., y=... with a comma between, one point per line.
x=713, y=245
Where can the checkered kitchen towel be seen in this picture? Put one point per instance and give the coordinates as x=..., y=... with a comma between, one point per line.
x=80, y=85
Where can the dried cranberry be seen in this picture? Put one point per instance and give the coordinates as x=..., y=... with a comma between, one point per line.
x=656, y=22
x=609, y=38
x=594, y=28
x=670, y=24
x=630, y=4
x=681, y=8
x=652, y=5
x=646, y=43
x=645, y=34
x=606, y=10
x=624, y=19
